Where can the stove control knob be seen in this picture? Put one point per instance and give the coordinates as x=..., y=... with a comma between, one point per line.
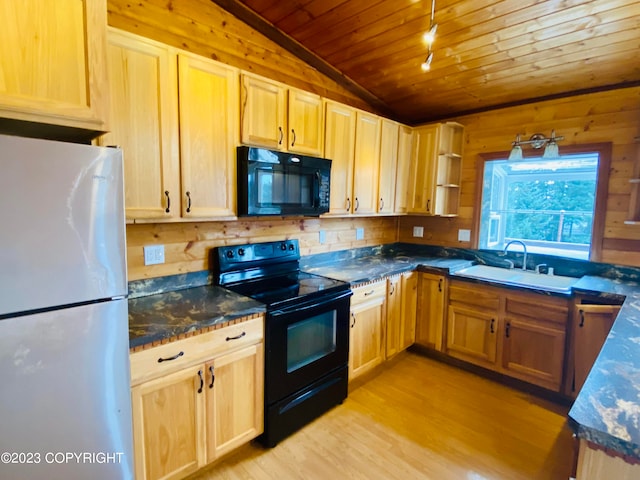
x=241, y=251
x=229, y=253
x=291, y=247
x=283, y=246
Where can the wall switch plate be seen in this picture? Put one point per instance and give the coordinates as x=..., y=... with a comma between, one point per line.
x=322, y=236
x=359, y=233
x=153, y=254
x=418, y=231
x=464, y=235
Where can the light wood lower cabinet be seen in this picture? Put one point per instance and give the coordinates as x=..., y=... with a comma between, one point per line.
x=368, y=311
x=430, y=317
x=401, y=312
x=590, y=326
x=203, y=399
x=519, y=334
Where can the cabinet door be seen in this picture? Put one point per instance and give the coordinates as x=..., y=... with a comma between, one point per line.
x=167, y=425
x=52, y=62
x=367, y=163
x=591, y=325
x=306, y=123
x=409, y=309
x=472, y=335
x=339, y=147
x=388, y=166
x=534, y=352
x=263, y=113
x=405, y=147
x=235, y=399
x=208, y=137
x=421, y=181
x=394, y=315
x=366, y=349
x=144, y=112
x=431, y=310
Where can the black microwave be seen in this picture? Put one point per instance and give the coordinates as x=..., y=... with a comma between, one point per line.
x=282, y=183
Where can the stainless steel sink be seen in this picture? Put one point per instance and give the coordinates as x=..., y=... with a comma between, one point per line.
x=553, y=283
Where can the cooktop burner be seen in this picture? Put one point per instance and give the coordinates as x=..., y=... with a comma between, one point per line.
x=269, y=273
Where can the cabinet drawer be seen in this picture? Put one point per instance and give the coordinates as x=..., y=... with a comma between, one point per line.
x=483, y=297
x=369, y=291
x=537, y=307
x=173, y=356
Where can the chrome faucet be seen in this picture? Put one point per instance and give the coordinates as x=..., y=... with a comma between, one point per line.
x=524, y=248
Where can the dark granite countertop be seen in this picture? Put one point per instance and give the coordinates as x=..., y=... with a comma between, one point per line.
x=607, y=410
x=157, y=318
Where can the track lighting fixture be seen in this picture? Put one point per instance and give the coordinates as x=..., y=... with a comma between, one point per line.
x=429, y=37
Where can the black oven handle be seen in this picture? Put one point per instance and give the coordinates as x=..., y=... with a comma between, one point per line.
x=315, y=303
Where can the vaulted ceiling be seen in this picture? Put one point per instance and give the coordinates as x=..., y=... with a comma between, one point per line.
x=487, y=53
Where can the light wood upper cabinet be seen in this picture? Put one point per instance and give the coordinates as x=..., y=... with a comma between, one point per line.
x=53, y=62
x=305, y=131
x=340, y=139
x=403, y=171
x=177, y=167
x=208, y=100
x=434, y=186
x=367, y=164
x=281, y=118
x=388, y=166
x=144, y=110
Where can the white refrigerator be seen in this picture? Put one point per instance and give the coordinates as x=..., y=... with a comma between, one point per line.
x=65, y=404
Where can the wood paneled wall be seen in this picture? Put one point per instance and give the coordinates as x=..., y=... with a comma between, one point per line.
x=200, y=26
x=187, y=245
x=612, y=116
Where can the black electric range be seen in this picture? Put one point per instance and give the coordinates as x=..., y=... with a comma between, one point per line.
x=306, y=334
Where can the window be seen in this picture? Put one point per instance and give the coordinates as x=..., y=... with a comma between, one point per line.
x=554, y=206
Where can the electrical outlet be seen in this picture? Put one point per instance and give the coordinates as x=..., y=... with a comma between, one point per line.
x=153, y=254
x=464, y=235
x=418, y=231
x=322, y=237
x=359, y=233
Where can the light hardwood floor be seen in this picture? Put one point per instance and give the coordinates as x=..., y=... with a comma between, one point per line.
x=419, y=419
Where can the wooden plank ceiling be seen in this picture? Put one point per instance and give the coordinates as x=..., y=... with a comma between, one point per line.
x=487, y=53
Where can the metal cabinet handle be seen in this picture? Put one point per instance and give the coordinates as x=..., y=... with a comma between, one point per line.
x=294, y=137
x=357, y=204
x=213, y=377
x=201, y=381
x=354, y=320
x=493, y=322
x=281, y=136
x=507, y=329
x=166, y=194
x=440, y=285
x=177, y=355
x=381, y=203
x=366, y=294
x=236, y=337
x=188, y=202
x=348, y=204
x=581, y=319
x=429, y=205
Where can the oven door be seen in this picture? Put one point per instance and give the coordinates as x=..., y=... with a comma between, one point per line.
x=305, y=343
